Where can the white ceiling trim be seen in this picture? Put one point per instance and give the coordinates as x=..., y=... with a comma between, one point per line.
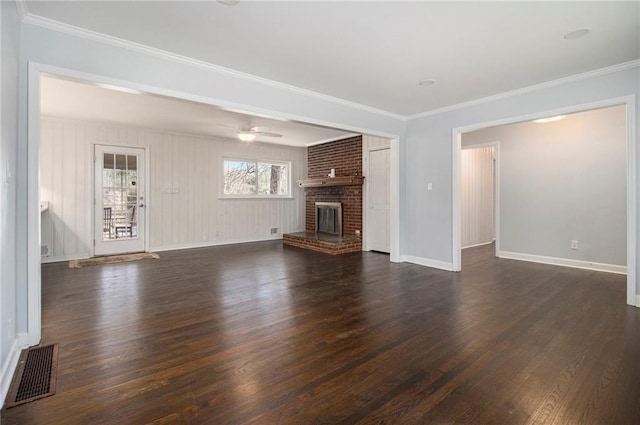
x=548, y=84
x=21, y=5
x=332, y=139
x=163, y=54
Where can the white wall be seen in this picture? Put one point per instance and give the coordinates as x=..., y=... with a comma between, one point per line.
x=427, y=222
x=476, y=195
x=195, y=216
x=9, y=45
x=563, y=181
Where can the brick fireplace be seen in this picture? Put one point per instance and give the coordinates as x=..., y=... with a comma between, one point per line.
x=345, y=157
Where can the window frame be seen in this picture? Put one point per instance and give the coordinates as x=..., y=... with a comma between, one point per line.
x=225, y=158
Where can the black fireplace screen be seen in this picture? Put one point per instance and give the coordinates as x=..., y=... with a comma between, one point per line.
x=329, y=218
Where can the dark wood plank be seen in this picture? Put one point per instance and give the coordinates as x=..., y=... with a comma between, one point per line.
x=262, y=333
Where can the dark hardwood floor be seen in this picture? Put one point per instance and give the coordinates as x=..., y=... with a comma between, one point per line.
x=265, y=334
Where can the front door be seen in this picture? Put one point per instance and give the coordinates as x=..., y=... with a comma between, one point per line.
x=119, y=200
x=379, y=186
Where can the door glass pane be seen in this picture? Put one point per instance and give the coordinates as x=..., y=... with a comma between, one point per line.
x=119, y=196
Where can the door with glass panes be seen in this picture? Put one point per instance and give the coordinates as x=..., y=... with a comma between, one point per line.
x=119, y=200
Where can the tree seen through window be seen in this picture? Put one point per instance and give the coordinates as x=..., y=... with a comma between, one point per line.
x=255, y=178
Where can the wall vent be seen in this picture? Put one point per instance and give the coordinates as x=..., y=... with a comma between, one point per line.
x=274, y=230
x=44, y=250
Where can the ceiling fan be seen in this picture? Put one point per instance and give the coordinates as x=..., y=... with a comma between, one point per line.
x=248, y=133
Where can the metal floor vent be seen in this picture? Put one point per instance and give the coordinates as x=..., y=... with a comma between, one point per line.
x=36, y=375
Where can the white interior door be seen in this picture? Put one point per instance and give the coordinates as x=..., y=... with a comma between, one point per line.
x=379, y=185
x=119, y=200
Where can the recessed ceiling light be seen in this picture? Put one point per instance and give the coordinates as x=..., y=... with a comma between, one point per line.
x=229, y=2
x=550, y=119
x=426, y=83
x=580, y=32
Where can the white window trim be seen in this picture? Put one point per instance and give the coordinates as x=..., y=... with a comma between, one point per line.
x=224, y=158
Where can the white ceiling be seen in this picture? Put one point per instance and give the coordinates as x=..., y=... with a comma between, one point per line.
x=69, y=99
x=375, y=53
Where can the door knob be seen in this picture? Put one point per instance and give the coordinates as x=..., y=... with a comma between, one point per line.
x=141, y=205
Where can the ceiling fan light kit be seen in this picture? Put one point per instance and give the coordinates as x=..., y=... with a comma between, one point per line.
x=247, y=136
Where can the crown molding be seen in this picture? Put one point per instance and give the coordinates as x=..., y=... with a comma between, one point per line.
x=548, y=84
x=21, y=5
x=163, y=54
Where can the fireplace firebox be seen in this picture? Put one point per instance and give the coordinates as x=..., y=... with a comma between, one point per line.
x=329, y=218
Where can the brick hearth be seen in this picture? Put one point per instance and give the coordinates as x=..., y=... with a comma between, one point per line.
x=329, y=244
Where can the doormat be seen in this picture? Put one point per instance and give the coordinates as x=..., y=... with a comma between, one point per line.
x=76, y=264
x=36, y=375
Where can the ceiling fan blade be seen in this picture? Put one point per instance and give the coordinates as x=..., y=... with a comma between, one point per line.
x=264, y=133
x=259, y=129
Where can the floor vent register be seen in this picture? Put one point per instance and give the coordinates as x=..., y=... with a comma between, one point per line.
x=35, y=377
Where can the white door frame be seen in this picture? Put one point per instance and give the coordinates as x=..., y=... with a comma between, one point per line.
x=496, y=190
x=32, y=127
x=145, y=193
x=632, y=218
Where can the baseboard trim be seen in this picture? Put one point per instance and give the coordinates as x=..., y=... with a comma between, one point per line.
x=59, y=258
x=576, y=264
x=10, y=364
x=84, y=256
x=23, y=339
x=479, y=244
x=212, y=243
x=427, y=262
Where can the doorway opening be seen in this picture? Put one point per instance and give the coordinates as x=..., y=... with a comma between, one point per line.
x=130, y=222
x=566, y=190
x=478, y=193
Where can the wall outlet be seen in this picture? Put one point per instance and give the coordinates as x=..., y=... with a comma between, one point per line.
x=574, y=244
x=44, y=250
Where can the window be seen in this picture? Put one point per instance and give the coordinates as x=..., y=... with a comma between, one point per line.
x=255, y=178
